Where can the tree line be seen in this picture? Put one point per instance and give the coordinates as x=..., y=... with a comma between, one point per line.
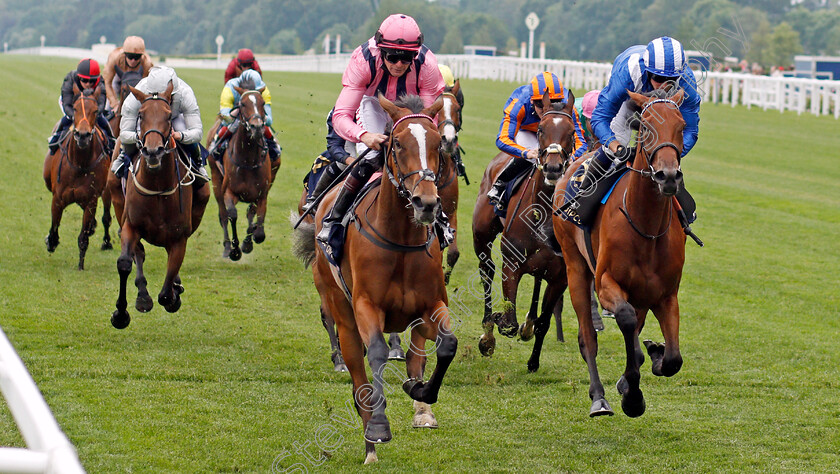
x=769, y=32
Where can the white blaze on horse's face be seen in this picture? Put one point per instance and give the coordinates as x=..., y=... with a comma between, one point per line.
x=253, y=99
x=419, y=133
x=557, y=121
x=448, y=129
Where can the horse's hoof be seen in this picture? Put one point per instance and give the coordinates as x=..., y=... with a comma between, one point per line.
x=487, y=345
x=423, y=416
x=120, y=319
x=144, y=303
x=179, y=288
x=378, y=430
x=622, y=386
x=340, y=367
x=259, y=235
x=396, y=353
x=533, y=366
x=235, y=254
x=107, y=246
x=51, y=244
x=174, y=307
x=371, y=458
x=526, y=331
x=633, y=403
x=413, y=388
x=247, y=245
x=597, y=322
x=226, y=251
x=446, y=274
x=600, y=407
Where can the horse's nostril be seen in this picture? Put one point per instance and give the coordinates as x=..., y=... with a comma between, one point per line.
x=417, y=202
x=659, y=176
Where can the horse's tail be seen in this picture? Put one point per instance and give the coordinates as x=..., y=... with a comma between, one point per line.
x=304, y=240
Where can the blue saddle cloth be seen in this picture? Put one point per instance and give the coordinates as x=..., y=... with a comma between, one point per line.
x=587, y=205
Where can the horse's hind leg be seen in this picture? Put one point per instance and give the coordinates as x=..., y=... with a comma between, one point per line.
x=88, y=228
x=248, y=242
x=168, y=297
x=120, y=318
x=144, y=302
x=258, y=228
x=415, y=366
x=52, y=237
x=506, y=321
x=395, y=351
x=435, y=328
x=666, y=358
x=526, y=329
x=106, y=219
x=329, y=325
x=551, y=299
x=452, y=253
x=486, y=271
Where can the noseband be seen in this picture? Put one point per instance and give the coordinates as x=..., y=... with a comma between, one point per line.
x=167, y=138
x=399, y=180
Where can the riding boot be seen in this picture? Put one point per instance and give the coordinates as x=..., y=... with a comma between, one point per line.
x=596, y=170
x=53, y=142
x=274, y=150
x=349, y=190
x=324, y=184
x=121, y=165
x=196, y=163
x=217, y=146
x=511, y=171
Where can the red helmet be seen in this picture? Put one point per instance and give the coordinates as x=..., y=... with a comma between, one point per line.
x=399, y=31
x=245, y=56
x=88, y=69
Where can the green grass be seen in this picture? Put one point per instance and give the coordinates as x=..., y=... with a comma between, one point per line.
x=241, y=373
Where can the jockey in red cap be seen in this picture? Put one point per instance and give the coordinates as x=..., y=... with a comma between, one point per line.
x=85, y=76
x=243, y=61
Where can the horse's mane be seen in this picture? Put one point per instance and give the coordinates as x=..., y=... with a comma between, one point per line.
x=662, y=93
x=247, y=84
x=411, y=102
x=88, y=92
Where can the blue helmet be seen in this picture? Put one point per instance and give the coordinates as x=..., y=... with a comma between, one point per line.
x=664, y=57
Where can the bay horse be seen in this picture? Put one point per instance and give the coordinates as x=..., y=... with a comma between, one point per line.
x=245, y=173
x=161, y=207
x=449, y=124
x=639, y=251
x=527, y=245
x=392, y=268
x=76, y=173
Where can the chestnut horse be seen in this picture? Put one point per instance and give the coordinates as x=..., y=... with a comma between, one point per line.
x=161, y=207
x=392, y=267
x=449, y=124
x=76, y=173
x=639, y=250
x=244, y=174
x=526, y=244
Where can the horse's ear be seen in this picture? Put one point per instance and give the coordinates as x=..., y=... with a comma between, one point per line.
x=678, y=96
x=639, y=99
x=167, y=94
x=456, y=87
x=261, y=89
x=140, y=96
x=239, y=90
x=76, y=90
x=570, y=99
x=546, y=101
x=389, y=107
x=433, y=109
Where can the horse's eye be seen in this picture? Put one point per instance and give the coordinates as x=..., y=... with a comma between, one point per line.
x=397, y=145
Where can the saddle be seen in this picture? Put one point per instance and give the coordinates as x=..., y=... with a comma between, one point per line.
x=510, y=189
x=581, y=209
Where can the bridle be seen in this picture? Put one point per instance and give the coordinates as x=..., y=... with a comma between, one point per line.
x=643, y=133
x=398, y=178
x=247, y=128
x=246, y=121
x=167, y=138
x=556, y=148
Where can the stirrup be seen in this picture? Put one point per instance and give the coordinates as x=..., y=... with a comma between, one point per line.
x=200, y=173
x=495, y=194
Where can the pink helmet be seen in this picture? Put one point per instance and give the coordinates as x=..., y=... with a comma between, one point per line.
x=590, y=100
x=399, y=31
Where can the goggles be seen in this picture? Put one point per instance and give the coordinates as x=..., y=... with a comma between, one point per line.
x=133, y=56
x=399, y=56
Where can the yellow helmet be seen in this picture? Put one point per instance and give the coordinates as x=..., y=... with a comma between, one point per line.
x=134, y=44
x=448, y=78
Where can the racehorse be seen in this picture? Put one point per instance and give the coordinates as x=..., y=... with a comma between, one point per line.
x=392, y=269
x=639, y=251
x=76, y=173
x=527, y=243
x=449, y=124
x=161, y=207
x=244, y=174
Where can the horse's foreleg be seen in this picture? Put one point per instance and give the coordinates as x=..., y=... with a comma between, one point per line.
x=435, y=327
x=223, y=221
x=415, y=366
x=144, y=302
x=452, y=253
x=259, y=227
x=369, y=320
x=666, y=359
x=248, y=241
x=395, y=351
x=230, y=207
x=506, y=320
x=168, y=297
x=88, y=228
x=552, y=297
x=329, y=325
x=526, y=329
x=57, y=209
x=129, y=238
x=486, y=271
x=106, y=219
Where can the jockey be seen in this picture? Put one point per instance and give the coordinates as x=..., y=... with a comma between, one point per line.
x=130, y=63
x=243, y=61
x=185, y=117
x=659, y=65
x=337, y=156
x=585, y=106
x=85, y=76
x=229, y=110
x=395, y=62
x=517, y=132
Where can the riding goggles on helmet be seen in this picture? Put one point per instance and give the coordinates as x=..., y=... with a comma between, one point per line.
x=133, y=56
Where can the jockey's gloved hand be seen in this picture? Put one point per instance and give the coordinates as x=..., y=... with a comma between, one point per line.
x=620, y=156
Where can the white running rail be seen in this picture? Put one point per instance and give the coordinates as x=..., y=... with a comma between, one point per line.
x=49, y=449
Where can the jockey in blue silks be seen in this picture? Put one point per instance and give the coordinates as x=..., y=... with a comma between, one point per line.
x=659, y=65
